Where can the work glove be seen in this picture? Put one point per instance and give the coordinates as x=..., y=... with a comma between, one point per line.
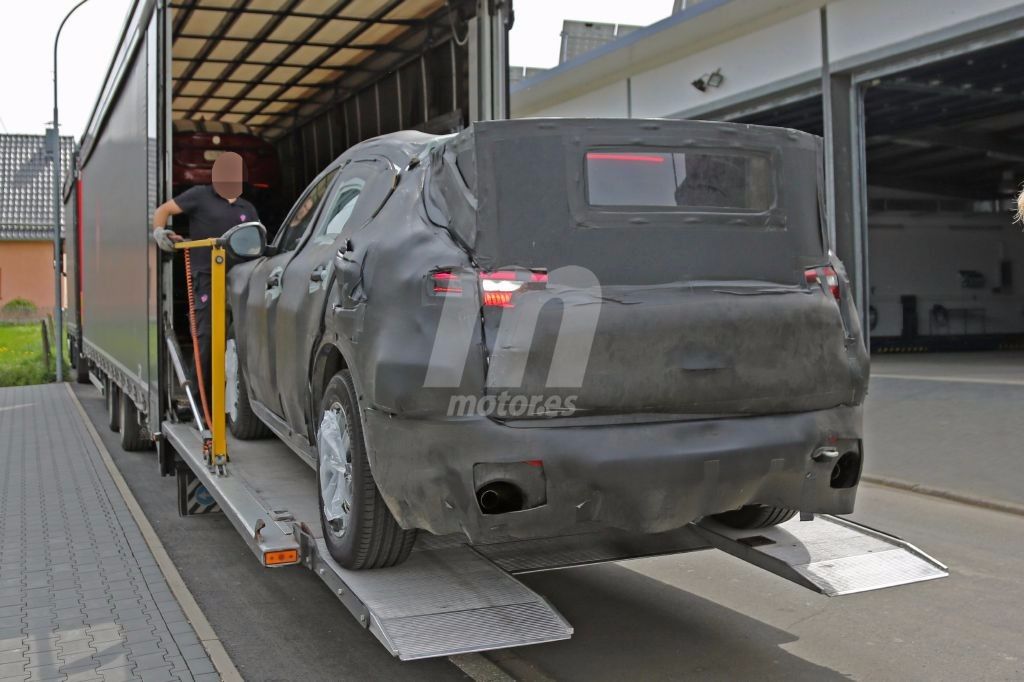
x=165, y=239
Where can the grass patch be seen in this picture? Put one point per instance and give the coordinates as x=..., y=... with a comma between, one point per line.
x=21, y=356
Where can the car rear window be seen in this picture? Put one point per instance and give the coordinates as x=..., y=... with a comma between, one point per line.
x=679, y=179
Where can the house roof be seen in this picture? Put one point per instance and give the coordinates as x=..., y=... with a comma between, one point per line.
x=26, y=186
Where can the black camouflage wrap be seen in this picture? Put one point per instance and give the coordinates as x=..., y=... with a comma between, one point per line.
x=715, y=373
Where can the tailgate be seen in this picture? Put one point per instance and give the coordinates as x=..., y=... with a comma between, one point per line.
x=681, y=257
x=728, y=348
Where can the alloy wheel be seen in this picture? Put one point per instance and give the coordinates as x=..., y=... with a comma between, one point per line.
x=336, y=489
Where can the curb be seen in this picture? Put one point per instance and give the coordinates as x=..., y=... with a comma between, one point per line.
x=949, y=379
x=204, y=631
x=942, y=493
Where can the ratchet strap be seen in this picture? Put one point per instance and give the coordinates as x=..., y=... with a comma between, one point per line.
x=193, y=328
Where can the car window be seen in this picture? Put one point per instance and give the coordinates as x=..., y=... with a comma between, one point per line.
x=340, y=210
x=680, y=179
x=362, y=188
x=303, y=213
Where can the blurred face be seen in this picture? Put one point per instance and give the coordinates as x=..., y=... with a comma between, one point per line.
x=228, y=174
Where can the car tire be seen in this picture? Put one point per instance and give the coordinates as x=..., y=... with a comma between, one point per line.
x=755, y=516
x=113, y=397
x=242, y=421
x=133, y=437
x=364, y=534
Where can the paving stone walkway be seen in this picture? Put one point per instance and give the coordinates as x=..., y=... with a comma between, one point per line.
x=81, y=597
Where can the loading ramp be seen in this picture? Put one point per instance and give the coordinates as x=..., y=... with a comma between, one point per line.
x=445, y=599
x=450, y=598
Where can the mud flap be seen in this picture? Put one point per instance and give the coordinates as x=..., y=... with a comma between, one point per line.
x=193, y=497
x=829, y=555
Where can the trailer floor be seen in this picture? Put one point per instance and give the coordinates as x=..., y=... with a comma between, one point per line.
x=81, y=596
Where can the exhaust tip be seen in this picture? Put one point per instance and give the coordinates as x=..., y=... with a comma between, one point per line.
x=846, y=472
x=500, y=497
x=489, y=499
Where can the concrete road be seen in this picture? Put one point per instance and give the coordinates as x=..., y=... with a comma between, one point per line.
x=953, y=422
x=700, y=616
x=997, y=367
x=710, y=616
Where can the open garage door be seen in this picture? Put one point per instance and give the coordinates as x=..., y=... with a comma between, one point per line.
x=945, y=156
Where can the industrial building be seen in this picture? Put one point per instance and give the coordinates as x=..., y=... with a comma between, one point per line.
x=924, y=114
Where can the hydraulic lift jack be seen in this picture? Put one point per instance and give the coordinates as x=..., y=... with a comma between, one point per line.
x=215, y=441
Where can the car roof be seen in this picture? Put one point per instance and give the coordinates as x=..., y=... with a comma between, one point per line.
x=399, y=148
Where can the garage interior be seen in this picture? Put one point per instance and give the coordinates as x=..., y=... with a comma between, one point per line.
x=944, y=157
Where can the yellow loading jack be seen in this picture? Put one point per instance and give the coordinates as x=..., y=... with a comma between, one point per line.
x=246, y=240
x=215, y=440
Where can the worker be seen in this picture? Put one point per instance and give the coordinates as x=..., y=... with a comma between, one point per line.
x=212, y=210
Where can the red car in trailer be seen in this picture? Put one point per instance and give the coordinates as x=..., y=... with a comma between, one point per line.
x=197, y=144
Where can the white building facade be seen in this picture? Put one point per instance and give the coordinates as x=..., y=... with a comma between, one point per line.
x=925, y=107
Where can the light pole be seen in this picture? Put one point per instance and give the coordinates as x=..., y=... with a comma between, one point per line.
x=58, y=303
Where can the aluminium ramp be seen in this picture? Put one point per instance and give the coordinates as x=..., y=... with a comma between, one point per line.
x=828, y=554
x=445, y=599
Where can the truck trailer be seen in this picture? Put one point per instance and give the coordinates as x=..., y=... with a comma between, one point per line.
x=314, y=78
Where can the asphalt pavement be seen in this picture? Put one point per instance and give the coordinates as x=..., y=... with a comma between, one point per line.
x=704, y=615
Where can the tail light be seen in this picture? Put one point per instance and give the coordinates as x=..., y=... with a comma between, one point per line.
x=497, y=289
x=445, y=283
x=825, y=277
x=628, y=158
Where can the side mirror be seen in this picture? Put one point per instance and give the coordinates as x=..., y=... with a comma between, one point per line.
x=246, y=240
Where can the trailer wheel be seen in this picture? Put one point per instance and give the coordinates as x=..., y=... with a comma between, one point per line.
x=242, y=421
x=359, y=529
x=755, y=516
x=133, y=438
x=78, y=361
x=113, y=395
x=82, y=370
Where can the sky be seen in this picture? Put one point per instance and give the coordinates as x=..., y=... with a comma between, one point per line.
x=90, y=36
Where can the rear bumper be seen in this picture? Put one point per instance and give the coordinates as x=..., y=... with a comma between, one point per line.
x=643, y=478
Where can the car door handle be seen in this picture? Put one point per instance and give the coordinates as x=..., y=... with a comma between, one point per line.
x=274, y=282
x=319, y=274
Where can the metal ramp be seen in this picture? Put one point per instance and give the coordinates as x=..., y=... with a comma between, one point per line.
x=445, y=599
x=829, y=555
